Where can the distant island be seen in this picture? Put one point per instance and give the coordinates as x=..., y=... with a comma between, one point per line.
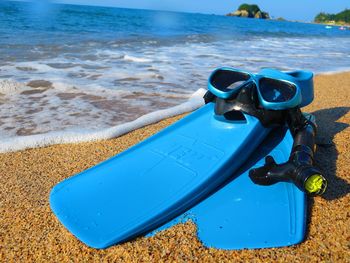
x=250, y=11
x=342, y=18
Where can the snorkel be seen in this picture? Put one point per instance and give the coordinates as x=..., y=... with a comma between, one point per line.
x=275, y=100
x=300, y=168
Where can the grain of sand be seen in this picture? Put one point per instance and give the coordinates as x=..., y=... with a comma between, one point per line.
x=30, y=232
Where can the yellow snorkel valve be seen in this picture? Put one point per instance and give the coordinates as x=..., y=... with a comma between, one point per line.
x=316, y=184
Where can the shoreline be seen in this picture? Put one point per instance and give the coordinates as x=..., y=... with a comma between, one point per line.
x=333, y=24
x=29, y=231
x=333, y=72
x=56, y=137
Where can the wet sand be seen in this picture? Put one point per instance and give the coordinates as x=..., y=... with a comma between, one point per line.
x=30, y=232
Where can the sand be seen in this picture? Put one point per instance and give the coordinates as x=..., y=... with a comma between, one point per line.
x=30, y=232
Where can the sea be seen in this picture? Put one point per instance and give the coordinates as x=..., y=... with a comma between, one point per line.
x=87, y=68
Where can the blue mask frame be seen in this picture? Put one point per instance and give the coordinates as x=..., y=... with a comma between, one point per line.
x=273, y=93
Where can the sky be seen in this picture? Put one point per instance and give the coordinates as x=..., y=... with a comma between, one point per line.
x=303, y=10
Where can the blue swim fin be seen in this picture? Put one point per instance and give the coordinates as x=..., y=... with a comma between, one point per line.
x=245, y=215
x=151, y=183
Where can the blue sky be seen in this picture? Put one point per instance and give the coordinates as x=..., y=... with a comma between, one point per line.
x=304, y=10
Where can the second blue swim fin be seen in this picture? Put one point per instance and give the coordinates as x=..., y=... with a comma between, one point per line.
x=245, y=215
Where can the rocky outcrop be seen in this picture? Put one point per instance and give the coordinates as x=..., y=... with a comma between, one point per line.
x=251, y=11
x=239, y=13
x=258, y=15
x=265, y=15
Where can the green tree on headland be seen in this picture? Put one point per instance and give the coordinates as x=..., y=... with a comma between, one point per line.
x=341, y=18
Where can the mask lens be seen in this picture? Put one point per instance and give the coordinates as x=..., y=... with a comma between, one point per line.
x=228, y=80
x=273, y=90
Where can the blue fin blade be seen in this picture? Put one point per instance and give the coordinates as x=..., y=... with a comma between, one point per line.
x=244, y=215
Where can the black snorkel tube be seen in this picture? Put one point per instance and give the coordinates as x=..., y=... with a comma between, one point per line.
x=300, y=168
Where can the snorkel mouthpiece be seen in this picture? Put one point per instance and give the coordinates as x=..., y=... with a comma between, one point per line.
x=306, y=177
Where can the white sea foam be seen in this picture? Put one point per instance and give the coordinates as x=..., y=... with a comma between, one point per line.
x=10, y=87
x=51, y=138
x=136, y=59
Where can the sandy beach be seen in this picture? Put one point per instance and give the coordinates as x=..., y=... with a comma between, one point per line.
x=30, y=232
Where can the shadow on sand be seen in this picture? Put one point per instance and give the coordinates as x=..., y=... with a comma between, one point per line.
x=327, y=154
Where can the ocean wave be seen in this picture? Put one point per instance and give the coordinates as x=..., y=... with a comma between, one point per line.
x=52, y=138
